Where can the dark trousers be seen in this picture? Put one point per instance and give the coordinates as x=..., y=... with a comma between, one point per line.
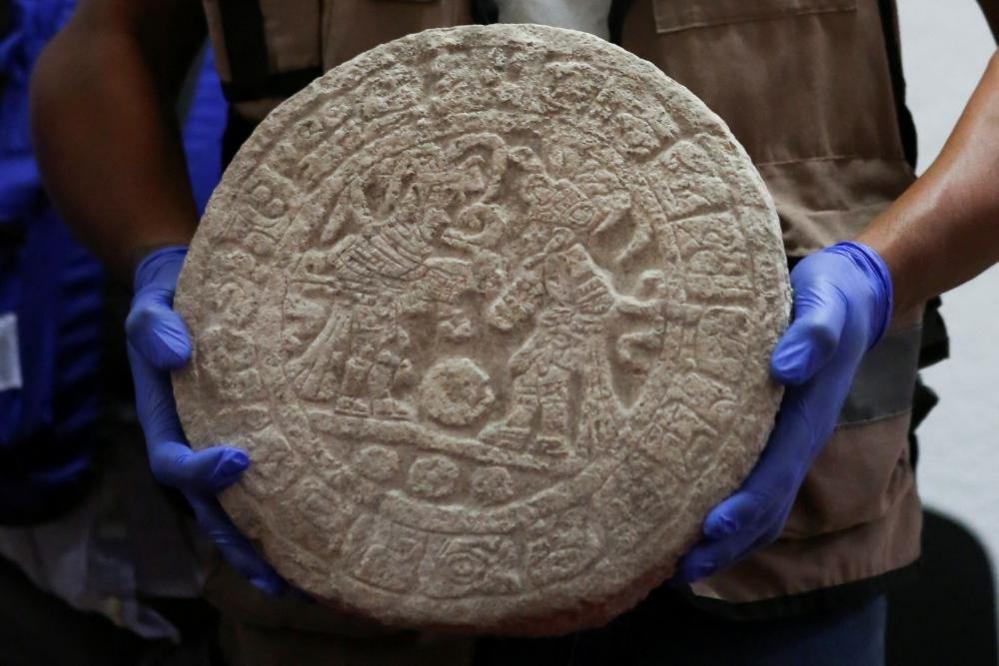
x=665, y=631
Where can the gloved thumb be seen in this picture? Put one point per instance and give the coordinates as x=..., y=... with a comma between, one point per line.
x=819, y=317
x=158, y=333
x=208, y=471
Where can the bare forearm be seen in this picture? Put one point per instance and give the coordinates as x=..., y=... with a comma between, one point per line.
x=944, y=229
x=107, y=140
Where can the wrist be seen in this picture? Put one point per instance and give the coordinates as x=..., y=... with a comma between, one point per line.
x=877, y=276
x=141, y=252
x=160, y=263
x=913, y=270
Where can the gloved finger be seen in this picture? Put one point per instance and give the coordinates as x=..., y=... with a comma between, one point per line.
x=776, y=476
x=206, y=472
x=738, y=513
x=235, y=547
x=710, y=556
x=805, y=421
x=813, y=337
x=707, y=557
x=157, y=332
x=154, y=403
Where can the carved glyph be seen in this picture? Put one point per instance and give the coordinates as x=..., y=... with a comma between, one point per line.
x=490, y=309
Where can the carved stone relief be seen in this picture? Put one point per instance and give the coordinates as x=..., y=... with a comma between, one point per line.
x=490, y=308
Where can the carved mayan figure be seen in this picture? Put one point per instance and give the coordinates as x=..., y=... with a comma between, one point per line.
x=490, y=310
x=573, y=299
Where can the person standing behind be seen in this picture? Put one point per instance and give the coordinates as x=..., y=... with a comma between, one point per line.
x=80, y=515
x=830, y=514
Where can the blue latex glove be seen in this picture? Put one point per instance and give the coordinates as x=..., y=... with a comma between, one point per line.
x=157, y=343
x=842, y=304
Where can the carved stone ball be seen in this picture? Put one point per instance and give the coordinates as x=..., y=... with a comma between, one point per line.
x=491, y=309
x=456, y=392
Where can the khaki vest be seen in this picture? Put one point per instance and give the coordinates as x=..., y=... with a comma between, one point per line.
x=806, y=86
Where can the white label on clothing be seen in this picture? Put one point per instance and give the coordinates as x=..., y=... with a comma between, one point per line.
x=10, y=353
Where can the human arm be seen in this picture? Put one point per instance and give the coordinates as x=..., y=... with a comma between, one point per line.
x=105, y=128
x=107, y=138
x=942, y=231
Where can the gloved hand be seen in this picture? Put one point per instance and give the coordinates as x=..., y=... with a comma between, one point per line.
x=157, y=343
x=842, y=304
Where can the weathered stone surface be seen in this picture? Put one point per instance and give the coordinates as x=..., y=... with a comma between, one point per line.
x=490, y=308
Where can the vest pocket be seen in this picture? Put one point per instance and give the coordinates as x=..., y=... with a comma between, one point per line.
x=805, y=87
x=864, y=469
x=674, y=15
x=862, y=472
x=794, y=79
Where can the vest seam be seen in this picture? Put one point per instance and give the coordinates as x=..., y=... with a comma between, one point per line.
x=873, y=419
x=832, y=158
x=893, y=332
x=813, y=212
x=789, y=604
x=843, y=6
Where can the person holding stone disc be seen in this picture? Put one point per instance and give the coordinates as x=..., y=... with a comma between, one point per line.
x=829, y=516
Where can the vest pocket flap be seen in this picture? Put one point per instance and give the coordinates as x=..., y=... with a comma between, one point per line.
x=674, y=15
x=860, y=474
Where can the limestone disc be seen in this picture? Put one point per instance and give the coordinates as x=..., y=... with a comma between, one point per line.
x=490, y=308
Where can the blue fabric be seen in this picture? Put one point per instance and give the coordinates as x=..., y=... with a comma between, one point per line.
x=20, y=189
x=46, y=280
x=33, y=23
x=202, y=132
x=46, y=441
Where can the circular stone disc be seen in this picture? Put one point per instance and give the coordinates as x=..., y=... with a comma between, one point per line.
x=490, y=308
